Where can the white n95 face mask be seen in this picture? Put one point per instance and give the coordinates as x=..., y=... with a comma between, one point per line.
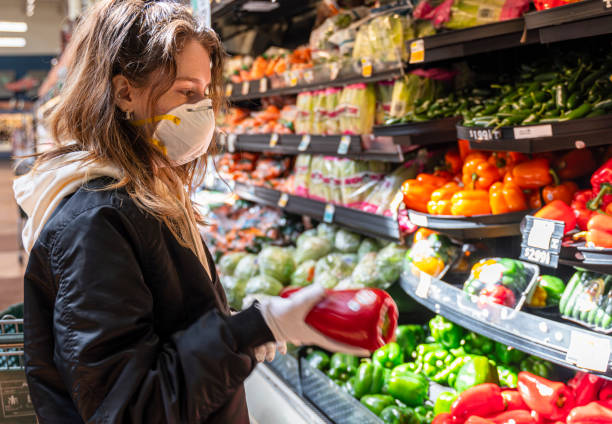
x=185, y=132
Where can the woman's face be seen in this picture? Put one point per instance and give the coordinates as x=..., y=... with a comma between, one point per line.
x=190, y=86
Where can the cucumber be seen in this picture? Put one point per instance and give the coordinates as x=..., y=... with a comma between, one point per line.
x=567, y=293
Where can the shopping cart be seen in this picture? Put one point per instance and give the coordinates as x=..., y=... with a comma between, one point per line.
x=15, y=403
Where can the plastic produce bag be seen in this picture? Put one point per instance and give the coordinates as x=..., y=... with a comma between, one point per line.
x=366, y=272
x=327, y=231
x=359, y=108
x=389, y=263
x=367, y=245
x=276, y=262
x=587, y=300
x=229, y=261
x=304, y=117
x=247, y=267
x=333, y=268
x=234, y=290
x=319, y=111
x=363, y=178
x=304, y=273
x=305, y=235
x=332, y=124
x=312, y=248
x=431, y=252
x=384, y=93
x=263, y=284
x=347, y=241
x=498, y=280
x=379, y=200
x=302, y=175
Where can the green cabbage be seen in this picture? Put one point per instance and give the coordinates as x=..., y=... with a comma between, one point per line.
x=327, y=231
x=247, y=267
x=366, y=272
x=263, y=284
x=228, y=262
x=234, y=290
x=276, y=262
x=367, y=245
x=347, y=241
x=326, y=279
x=389, y=262
x=305, y=235
x=304, y=273
x=312, y=248
x=337, y=264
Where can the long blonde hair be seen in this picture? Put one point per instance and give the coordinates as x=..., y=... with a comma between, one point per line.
x=139, y=40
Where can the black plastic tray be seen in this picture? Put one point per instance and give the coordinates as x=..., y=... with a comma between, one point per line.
x=593, y=259
x=421, y=133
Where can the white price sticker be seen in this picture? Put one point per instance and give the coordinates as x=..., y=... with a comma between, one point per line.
x=231, y=143
x=304, y=143
x=293, y=78
x=345, y=143
x=228, y=90
x=334, y=70
x=418, y=219
x=540, y=234
x=328, y=214
x=309, y=76
x=534, y=131
x=366, y=67
x=422, y=289
x=587, y=351
x=417, y=51
x=263, y=85
x=273, y=140
x=246, y=86
x=282, y=201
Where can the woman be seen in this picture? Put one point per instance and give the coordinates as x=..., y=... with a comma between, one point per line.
x=125, y=319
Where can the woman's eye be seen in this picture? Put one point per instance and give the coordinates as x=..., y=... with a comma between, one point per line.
x=188, y=93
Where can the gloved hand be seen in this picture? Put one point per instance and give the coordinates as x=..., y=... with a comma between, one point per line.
x=285, y=318
x=267, y=351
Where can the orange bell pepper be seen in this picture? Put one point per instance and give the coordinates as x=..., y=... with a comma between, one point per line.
x=478, y=173
x=453, y=161
x=563, y=191
x=506, y=197
x=470, y=202
x=535, y=200
x=440, y=201
x=504, y=161
x=464, y=148
x=599, y=231
x=575, y=163
x=417, y=192
x=532, y=174
x=422, y=234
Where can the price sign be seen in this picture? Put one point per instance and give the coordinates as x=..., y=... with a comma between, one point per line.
x=328, y=214
x=334, y=70
x=228, y=90
x=542, y=241
x=293, y=80
x=588, y=351
x=304, y=143
x=366, y=67
x=422, y=289
x=607, y=4
x=345, y=143
x=418, y=219
x=231, y=143
x=533, y=131
x=417, y=51
x=282, y=201
x=484, y=134
x=309, y=76
x=263, y=85
x=246, y=86
x=273, y=140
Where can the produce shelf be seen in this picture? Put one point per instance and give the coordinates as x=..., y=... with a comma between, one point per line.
x=421, y=133
x=224, y=7
x=552, y=340
x=577, y=20
x=361, y=222
x=539, y=138
x=593, y=259
x=471, y=227
x=318, y=144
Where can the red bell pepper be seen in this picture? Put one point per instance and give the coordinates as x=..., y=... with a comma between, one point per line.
x=499, y=294
x=518, y=416
x=605, y=393
x=558, y=211
x=592, y=413
x=580, y=205
x=443, y=418
x=365, y=318
x=539, y=419
x=602, y=185
x=482, y=400
x=474, y=419
x=575, y=163
x=585, y=387
x=599, y=232
x=551, y=399
x=513, y=400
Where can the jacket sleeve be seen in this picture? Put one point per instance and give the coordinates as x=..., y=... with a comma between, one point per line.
x=107, y=352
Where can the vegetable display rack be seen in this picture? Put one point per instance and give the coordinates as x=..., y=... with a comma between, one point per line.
x=591, y=258
x=421, y=133
x=579, y=133
x=565, y=344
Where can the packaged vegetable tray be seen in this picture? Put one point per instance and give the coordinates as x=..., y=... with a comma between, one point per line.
x=587, y=300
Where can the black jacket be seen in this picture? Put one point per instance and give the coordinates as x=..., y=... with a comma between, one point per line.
x=123, y=325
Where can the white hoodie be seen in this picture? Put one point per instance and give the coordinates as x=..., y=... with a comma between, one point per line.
x=40, y=191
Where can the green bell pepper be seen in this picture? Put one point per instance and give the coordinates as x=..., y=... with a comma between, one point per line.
x=318, y=359
x=476, y=370
x=408, y=337
x=554, y=287
x=478, y=345
x=424, y=348
x=409, y=387
x=376, y=403
x=508, y=355
x=537, y=366
x=443, y=376
x=434, y=361
x=445, y=332
x=368, y=380
x=388, y=356
x=395, y=414
x=508, y=376
x=444, y=402
x=342, y=366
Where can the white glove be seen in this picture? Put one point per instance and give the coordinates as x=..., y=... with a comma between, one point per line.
x=267, y=351
x=285, y=318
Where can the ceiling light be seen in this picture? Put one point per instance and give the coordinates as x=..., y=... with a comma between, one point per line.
x=12, y=42
x=260, y=6
x=13, y=26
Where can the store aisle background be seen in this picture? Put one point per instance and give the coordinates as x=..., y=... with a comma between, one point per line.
x=11, y=272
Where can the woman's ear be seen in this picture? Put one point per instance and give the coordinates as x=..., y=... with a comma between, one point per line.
x=123, y=93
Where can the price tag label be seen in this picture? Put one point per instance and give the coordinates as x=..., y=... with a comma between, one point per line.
x=345, y=143
x=282, y=201
x=542, y=241
x=607, y=4
x=484, y=134
x=417, y=51
x=246, y=86
x=328, y=214
x=304, y=143
x=231, y=143
x=418, y=219
x=422, y=289
x=228, y=90
x=534, y=131
x=588, y=351
x=309, y=76
x=334, y=70
x=273, y=140
x=366, y=67
x=263, y=85
x=293, y=79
